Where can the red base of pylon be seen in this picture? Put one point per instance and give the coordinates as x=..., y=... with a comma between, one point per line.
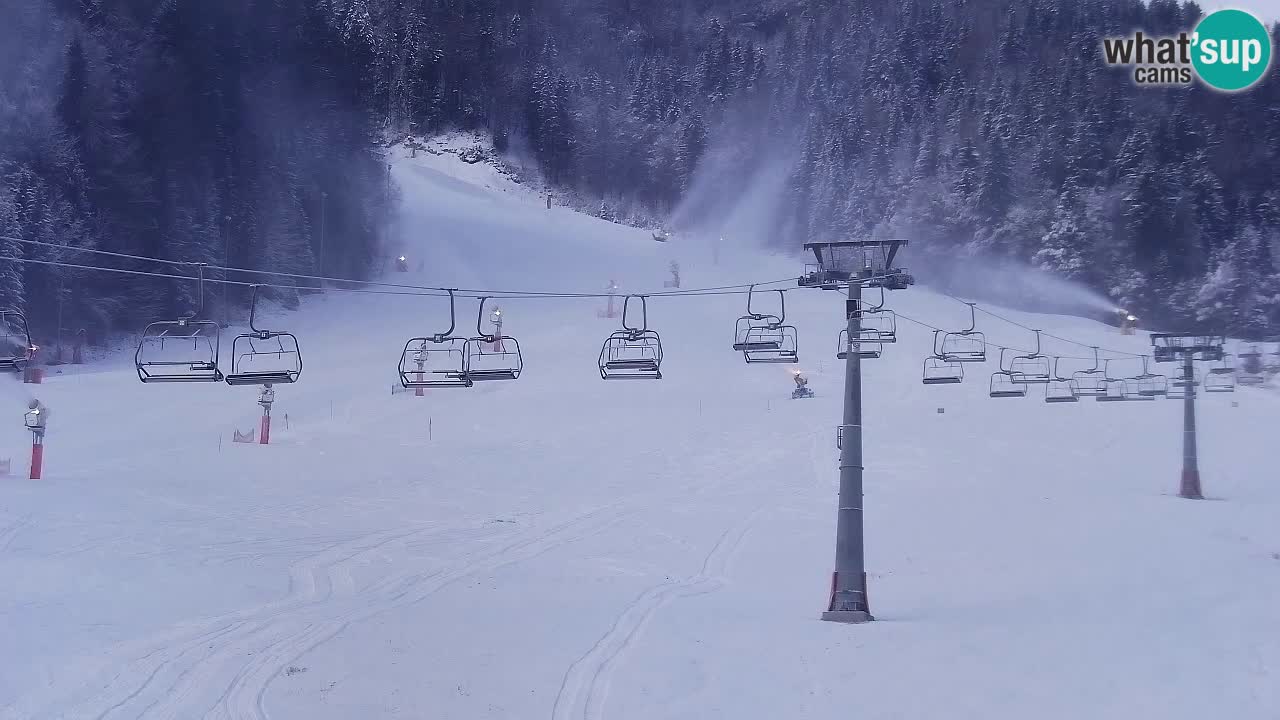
x=1190, y=488
x=264, y=436
x=37, y=461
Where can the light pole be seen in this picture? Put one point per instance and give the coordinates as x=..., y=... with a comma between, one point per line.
x=226, y=263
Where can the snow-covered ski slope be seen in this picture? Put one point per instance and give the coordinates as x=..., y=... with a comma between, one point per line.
x=564, y=548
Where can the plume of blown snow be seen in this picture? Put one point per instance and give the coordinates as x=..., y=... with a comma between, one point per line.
x=1008, y=282
x=739, y=184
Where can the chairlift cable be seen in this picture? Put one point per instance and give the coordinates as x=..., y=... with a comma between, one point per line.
x=468, y=292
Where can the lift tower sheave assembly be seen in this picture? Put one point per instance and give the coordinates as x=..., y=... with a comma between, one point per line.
x=853, y=265
x=1187, y=348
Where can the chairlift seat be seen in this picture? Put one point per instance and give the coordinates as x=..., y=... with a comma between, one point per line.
x=772, y=344
x=266, y=377
x=1115, y=391
x=746, y=331
x=188, y=357
x=1218, y=383
x=283, y=361
x=1061, y=391
x=1004, y=386
x=1029, y=370
x=631, y=365
x=435, y=362
x=862, y=354
x=939, y=371
x=481, y=375
x=867, y=349
x=1153, y=385
x=631, y=354
x=1089, y=383
x=756, y=346
x=964, y=347
x=485, y=364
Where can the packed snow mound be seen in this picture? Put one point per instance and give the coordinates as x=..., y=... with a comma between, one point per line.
x=565, y=547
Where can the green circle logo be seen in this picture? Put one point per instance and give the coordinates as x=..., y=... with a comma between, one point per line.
x=1232, y=50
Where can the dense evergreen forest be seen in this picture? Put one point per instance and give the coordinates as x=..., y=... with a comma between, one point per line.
x=250, y=130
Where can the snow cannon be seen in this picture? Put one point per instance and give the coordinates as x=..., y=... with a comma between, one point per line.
x=802, y=386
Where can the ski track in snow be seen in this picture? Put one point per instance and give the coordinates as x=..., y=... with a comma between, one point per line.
x=166, y=681
x=585, y=689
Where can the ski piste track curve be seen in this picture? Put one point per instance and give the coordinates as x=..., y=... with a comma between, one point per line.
x=586, y=684
x=202, y=672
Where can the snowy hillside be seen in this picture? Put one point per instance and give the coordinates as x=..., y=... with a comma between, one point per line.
x=561, y=547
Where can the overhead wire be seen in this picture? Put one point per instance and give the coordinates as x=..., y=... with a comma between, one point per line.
x=406, y=290
x=1121, y=353
x=459, y=292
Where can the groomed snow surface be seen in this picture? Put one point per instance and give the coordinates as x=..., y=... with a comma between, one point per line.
x=564, y=548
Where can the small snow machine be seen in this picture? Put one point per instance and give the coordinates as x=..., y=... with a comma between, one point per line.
x=802, y=387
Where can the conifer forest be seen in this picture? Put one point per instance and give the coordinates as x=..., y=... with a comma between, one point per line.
x=251, y=133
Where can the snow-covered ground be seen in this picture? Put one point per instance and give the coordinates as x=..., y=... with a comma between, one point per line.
x=562, y=547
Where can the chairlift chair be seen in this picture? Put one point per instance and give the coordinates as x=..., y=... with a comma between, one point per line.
x=1003, y=384
x=1060, y=389
x=1221, y=379
x=1252, y=368
x=264, y=357
x=1091, y=382
x=865, y=350
x=766, y=338
x=1150, y=384
x=877, y=324
x=490, y=356
x=436, y=361
x=1118, y=389
x=1032, y=369
x=185, y=350
x=1115, y=390
x=15, y=341
x=634, y=352
x=965, y=345
x=939, y=370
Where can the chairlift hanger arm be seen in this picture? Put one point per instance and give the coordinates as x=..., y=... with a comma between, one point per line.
x=453, y=318
x=644, y=314
x=480, y=333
